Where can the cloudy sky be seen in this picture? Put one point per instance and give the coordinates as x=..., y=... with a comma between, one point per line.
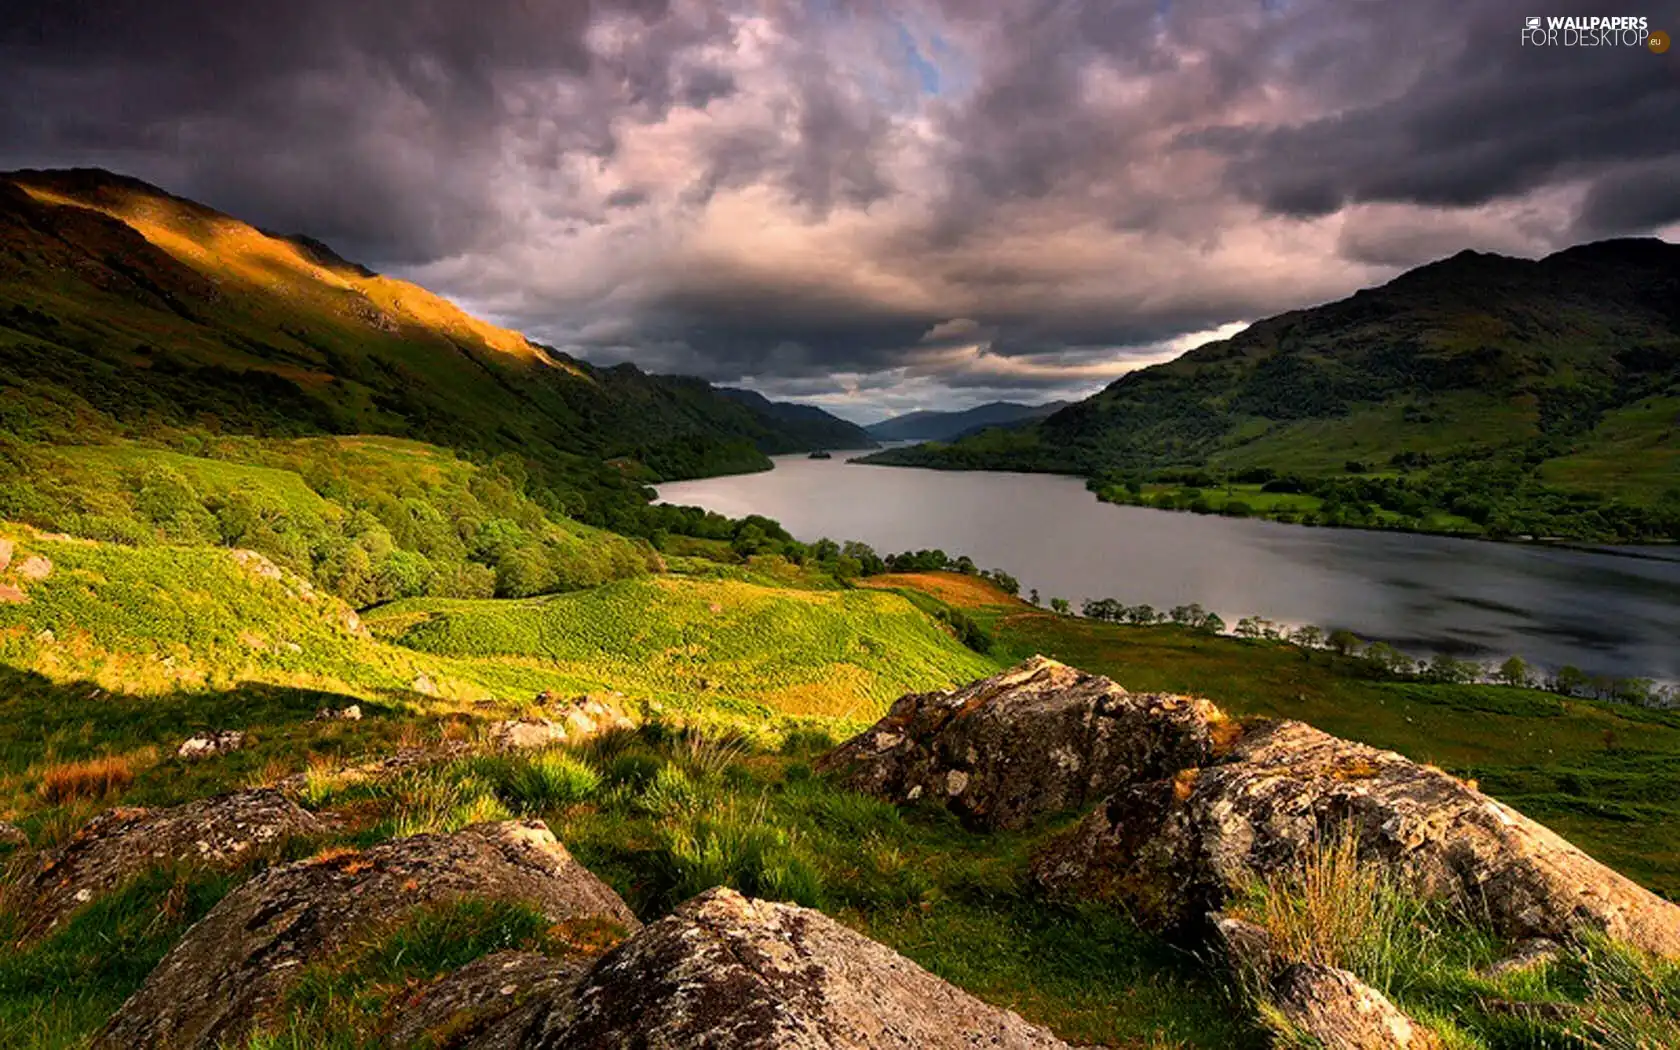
x=875, y=206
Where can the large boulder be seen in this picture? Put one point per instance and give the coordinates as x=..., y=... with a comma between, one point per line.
x=1173, y=849
x=221, y=832
x=721, y=972
x=231, y=970
x=729, y=973
x=1039, y=738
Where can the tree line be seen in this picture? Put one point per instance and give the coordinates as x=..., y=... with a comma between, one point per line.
x=1383, y=658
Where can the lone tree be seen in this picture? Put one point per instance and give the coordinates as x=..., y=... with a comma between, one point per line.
x=1344, y=641
x=1060, y=605
x=1514, y=672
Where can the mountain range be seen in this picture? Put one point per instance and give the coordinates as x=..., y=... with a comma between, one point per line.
x=125, y=310
x=807, y=423
x=948, y=426
x=1480, y=379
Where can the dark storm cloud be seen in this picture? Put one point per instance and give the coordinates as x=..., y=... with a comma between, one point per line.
x=864, y=198
x=368, y=122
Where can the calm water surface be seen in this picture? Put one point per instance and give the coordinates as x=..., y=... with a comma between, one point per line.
x=1606, y=613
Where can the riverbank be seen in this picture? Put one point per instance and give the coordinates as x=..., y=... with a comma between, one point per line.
x=1602, y=611
x=1472, y=500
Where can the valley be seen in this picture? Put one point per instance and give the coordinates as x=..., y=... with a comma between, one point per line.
x=341, y=628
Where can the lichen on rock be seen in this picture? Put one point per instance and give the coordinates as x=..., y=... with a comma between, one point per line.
x=1172, y=850
x=220, y=832
x=1039, y=738
x=731, y=973
x=230, y=972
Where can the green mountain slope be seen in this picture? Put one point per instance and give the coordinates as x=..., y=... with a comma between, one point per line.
x=809, y=423
x=1514, y=393
x=124, y=310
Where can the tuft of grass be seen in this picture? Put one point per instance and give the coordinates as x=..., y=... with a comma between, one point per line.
x=341, y=1001
x=735, y=845
x=543, y=780
x=439, y=799
x=93, y=778
x=1338, y=909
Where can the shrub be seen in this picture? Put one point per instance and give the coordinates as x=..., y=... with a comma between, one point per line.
x=94, y=778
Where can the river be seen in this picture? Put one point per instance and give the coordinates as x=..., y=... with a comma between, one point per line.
x=1615, y=614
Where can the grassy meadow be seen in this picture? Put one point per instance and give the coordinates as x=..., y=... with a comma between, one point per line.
x=742, y=673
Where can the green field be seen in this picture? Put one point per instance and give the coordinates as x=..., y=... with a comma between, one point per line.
x=844, y=654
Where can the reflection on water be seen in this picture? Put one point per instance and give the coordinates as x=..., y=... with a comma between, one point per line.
x=1605, y=613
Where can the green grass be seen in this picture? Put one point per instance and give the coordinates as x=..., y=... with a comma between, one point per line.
x=844, y=654
x=1633, y=451
x=55, y=994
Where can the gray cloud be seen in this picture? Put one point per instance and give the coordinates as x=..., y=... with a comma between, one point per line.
x=860, y=201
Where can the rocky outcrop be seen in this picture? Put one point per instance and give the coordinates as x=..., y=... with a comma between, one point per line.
x=215, y=742
x=1340, y=1012
x=1039, y=738
x=735, y=974
x=1172, y=849
x=574, y=720
x=231, y=970
x=353, y=713
x=224, y=831
x=721, y=972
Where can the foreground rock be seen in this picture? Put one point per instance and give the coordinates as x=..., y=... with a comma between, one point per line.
x=231, y=970
x=224, y=831
x=1339, y=1011
x=721, y=972
x=727, y=972
x=1173, y=849
x=1039, y=738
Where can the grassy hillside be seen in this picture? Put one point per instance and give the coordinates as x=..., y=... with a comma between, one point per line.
x=125, y=311
x=837, y=653
x=368, y=519
x=1517, y=397
x=666, y=812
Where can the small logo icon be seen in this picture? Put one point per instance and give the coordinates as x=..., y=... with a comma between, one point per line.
x=1533, y=23
x=1657, y=41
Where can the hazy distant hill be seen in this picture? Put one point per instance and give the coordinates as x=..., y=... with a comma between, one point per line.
x=124, y=309
x=946, y=426
x=811, y=425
